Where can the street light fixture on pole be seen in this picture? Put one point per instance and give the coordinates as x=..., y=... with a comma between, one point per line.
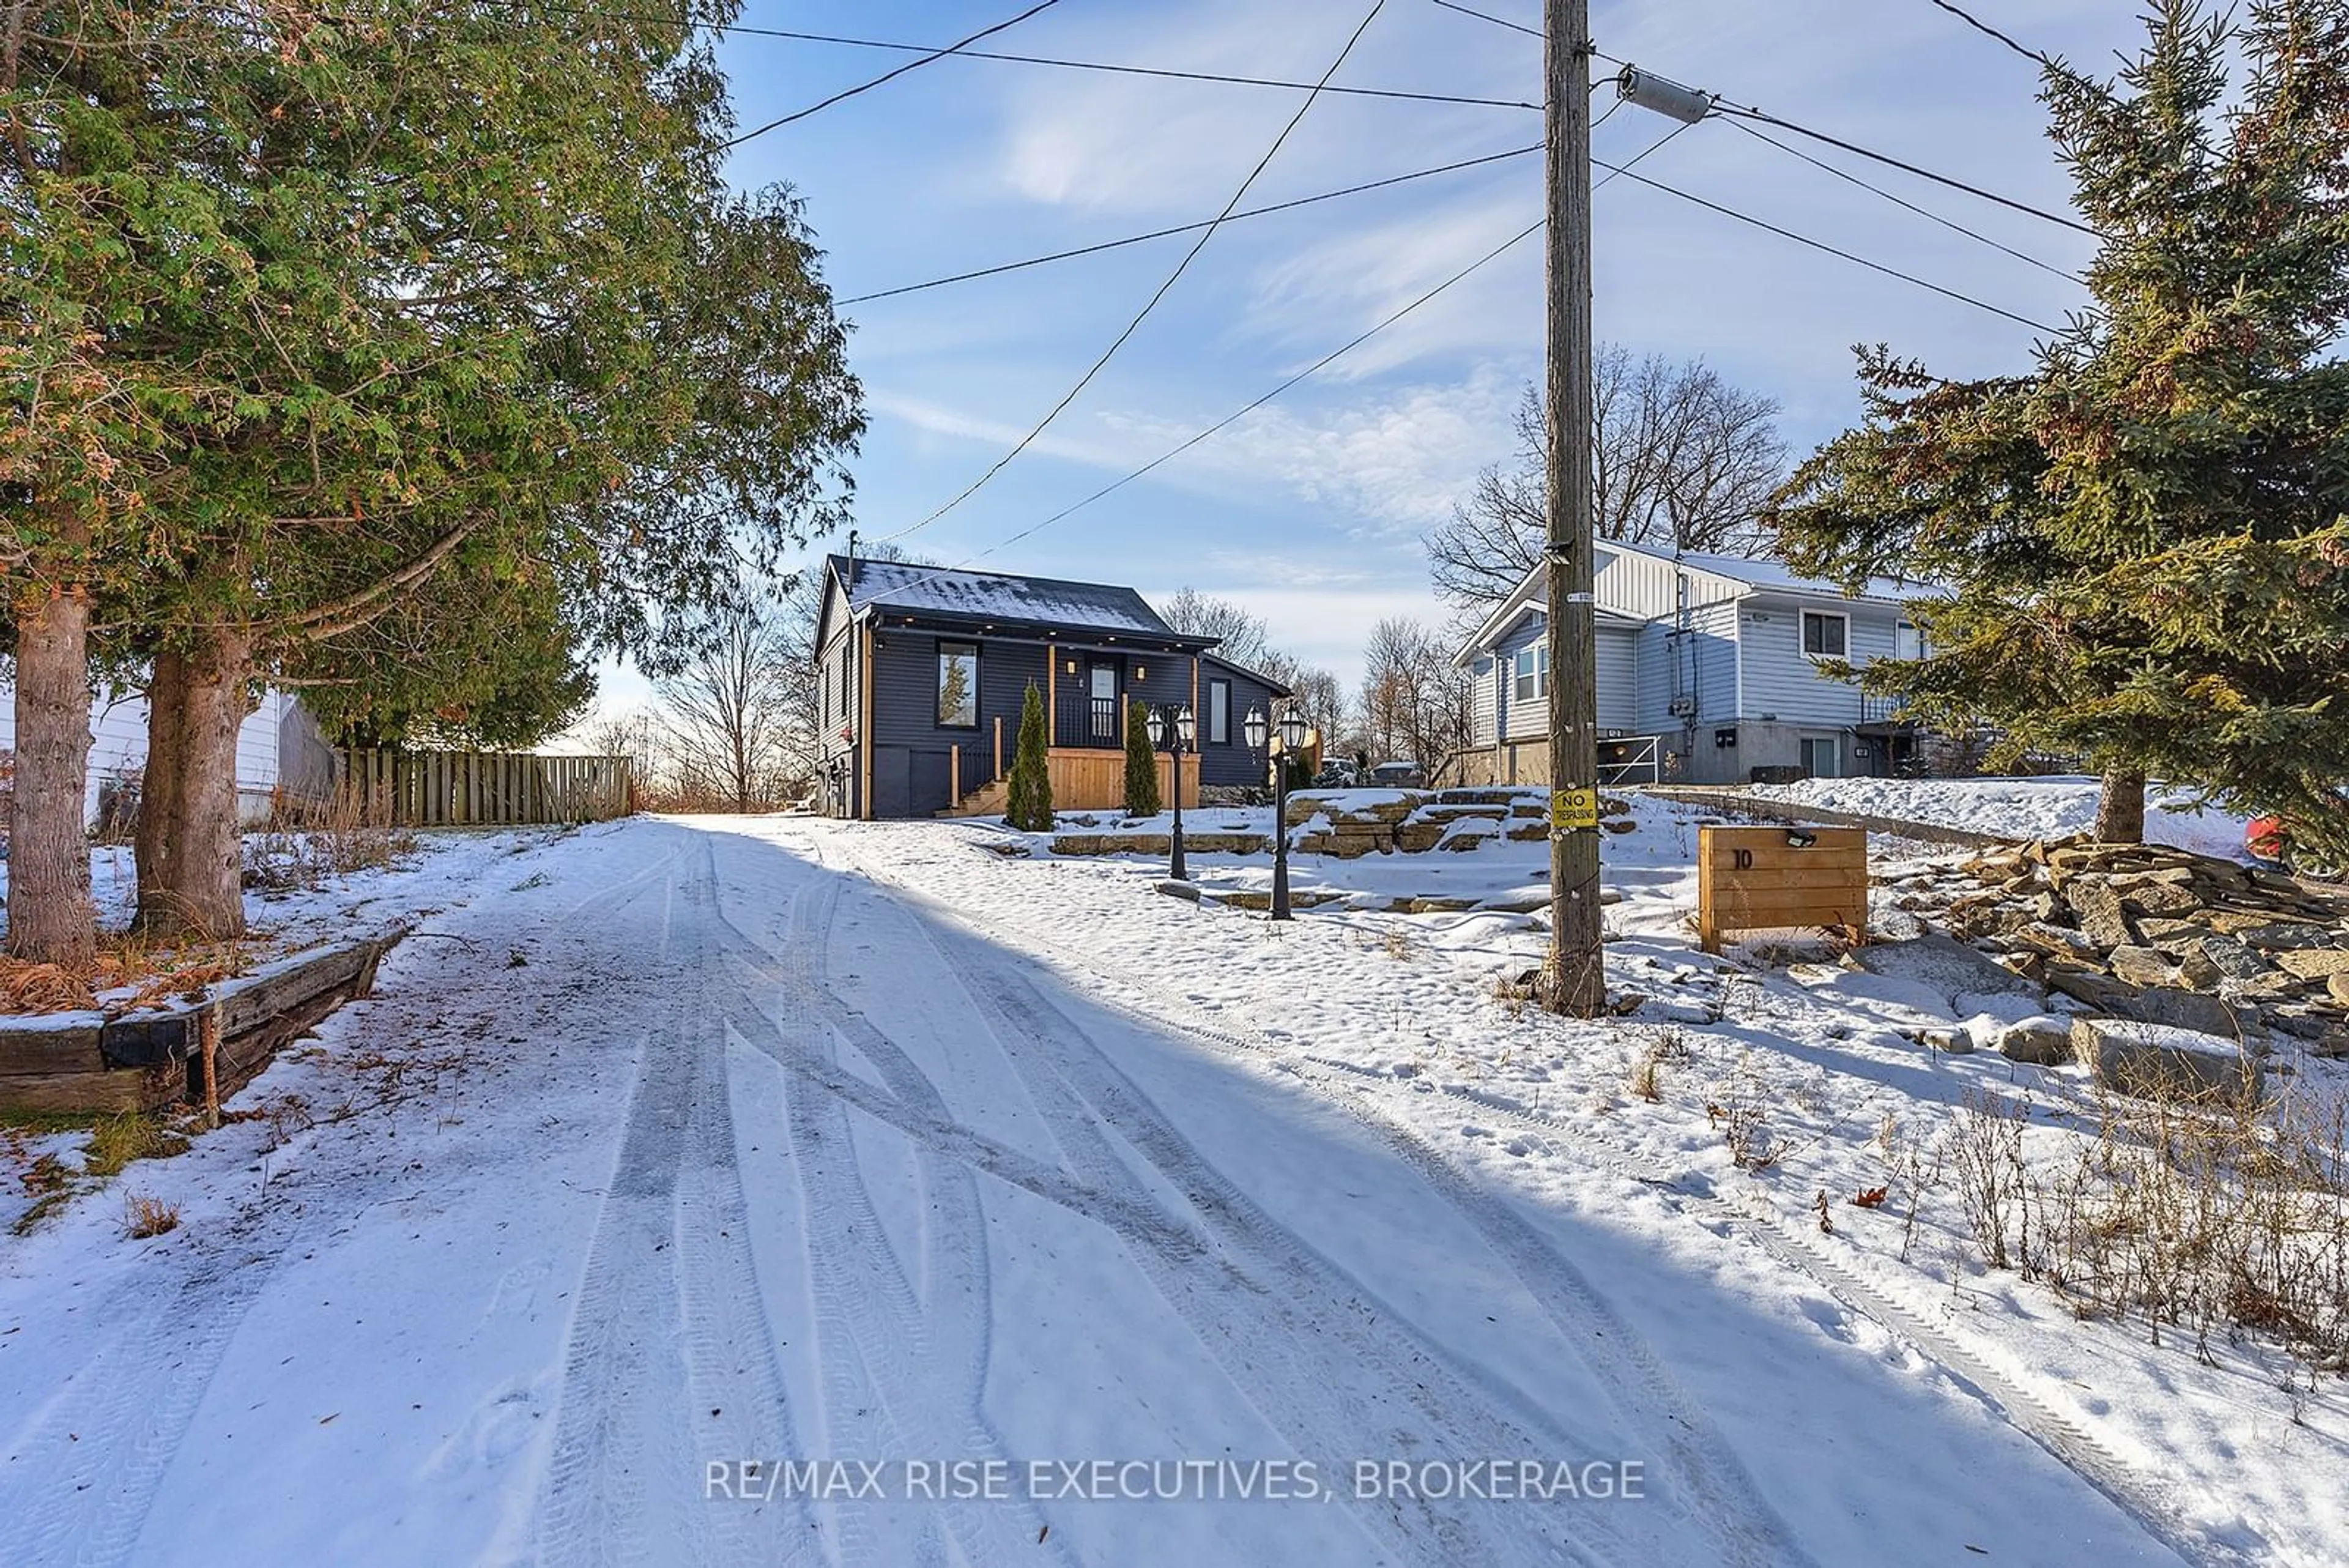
x=1575, y=981
x=1173, y=729
x=1292, y=736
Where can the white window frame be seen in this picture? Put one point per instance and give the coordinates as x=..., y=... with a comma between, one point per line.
x=1910, y=632
x=1538, y=673
x=1219, y=712
x=1802, y=639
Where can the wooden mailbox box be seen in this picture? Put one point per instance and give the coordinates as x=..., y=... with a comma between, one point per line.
x=1769, y=878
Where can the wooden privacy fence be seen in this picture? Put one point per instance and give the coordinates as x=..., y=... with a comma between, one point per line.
x=480, y=789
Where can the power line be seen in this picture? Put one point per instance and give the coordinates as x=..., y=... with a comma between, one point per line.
x=1980, y=25
x=1190, y=228
x=1845, y=174
x=892, y=76
x=1486, y=16
x=1152, y=304
x=1831, y=250
x=1113, y=67
x=1123, y=69
x=1237, y=415
x=1311, y=370
x=1725, y=107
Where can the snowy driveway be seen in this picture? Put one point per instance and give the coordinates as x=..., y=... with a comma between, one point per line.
x=703, y=1150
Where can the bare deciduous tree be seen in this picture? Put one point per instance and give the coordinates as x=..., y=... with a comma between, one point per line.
x=729, y=706
x=1246, y=640
x=1681, y=460
x=1415, y=704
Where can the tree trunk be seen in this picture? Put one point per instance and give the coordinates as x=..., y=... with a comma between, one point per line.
x=51, y=917
x=203, y=852
x=158, y=785
x=2120, y=809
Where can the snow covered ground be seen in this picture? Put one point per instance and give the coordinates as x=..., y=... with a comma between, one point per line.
x=2046, y=807
x=670, y=1146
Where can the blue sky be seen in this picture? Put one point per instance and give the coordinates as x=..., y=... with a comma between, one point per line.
x=1309, y=512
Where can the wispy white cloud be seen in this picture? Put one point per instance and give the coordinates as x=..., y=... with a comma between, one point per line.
x=1388, y=462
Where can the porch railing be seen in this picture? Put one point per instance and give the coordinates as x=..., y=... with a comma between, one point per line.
x=1880, y=710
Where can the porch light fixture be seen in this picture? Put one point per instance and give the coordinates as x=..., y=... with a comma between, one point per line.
x=1073, y=666
x=1140, y=674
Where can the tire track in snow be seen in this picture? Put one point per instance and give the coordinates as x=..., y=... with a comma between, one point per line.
x=78, y=1477
x=80, y=1481
x=1259, y=1293
x=666, y=1302
x=1721, y=1496
x=885, y=1349
x=2151, y=1506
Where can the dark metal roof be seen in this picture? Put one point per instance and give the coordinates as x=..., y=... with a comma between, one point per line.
x=965, y=598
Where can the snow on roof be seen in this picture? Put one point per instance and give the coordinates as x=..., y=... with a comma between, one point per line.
x=1001, y=595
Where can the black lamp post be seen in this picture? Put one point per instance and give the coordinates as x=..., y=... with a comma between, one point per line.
x=1292, y=736
x=1173, y=730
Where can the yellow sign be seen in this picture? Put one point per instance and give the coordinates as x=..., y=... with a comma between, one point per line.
x=1573, y=808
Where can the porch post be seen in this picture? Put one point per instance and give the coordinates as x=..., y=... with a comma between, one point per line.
x=864, y=725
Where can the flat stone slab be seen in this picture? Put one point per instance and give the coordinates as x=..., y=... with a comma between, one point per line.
x=2158, y=1060
x=2044, y=1041
x=1939, y=964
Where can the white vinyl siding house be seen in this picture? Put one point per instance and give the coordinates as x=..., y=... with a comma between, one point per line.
x=279, y=750
x=1724, y=661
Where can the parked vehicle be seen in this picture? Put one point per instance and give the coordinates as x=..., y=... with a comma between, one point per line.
x=1398, y=775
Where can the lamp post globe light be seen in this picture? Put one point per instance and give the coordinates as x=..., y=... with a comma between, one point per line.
x=1292, y=737
x=1174, y=730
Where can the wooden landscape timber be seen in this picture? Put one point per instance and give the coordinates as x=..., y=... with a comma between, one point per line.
x=1777, y=878
x=200, y=1048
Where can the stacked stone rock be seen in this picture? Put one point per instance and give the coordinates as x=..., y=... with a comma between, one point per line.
x=2166, y=937
x=1416, y=821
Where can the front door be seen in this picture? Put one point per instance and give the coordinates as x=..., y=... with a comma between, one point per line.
x=1819, y=756
x=1102, y=720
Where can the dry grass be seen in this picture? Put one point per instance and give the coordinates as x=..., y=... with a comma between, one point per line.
x=150, y=970
x=1667, y=1044
x=2193, y=1216
x=119, y=1139
x=333, y=843
x=143, y=1215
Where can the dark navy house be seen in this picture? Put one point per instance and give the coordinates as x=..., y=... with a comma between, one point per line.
x=924, y=671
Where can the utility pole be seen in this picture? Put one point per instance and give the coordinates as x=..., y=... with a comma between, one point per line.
x=1575, y=982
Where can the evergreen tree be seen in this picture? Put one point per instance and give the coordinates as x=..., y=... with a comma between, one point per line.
x=311, y=336
x=1140, y=762
x=1029, y=805
x=2145, y=536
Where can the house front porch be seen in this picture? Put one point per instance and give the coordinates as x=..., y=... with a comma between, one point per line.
x=1084, y=778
